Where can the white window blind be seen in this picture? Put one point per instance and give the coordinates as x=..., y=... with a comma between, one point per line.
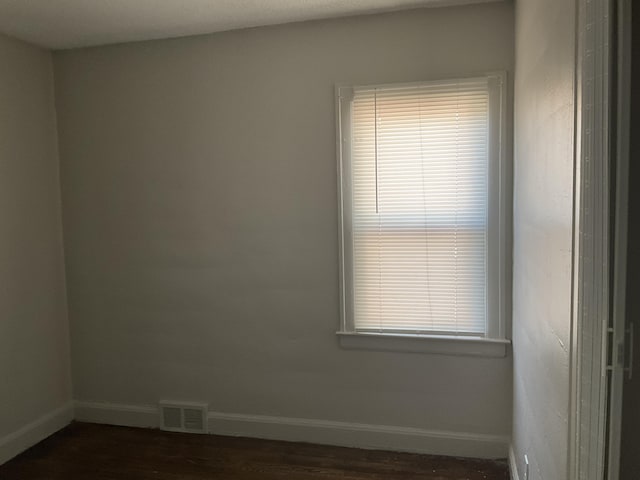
x=419, y=199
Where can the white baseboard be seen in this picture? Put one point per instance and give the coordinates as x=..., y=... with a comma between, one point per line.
x=143, y=416
x=34, y=432
x=378, y=437
x=513, y=465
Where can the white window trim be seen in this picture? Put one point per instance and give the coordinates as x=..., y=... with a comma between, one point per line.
x=494, y=343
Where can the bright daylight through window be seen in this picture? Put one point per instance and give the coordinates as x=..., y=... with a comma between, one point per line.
x=422, y=234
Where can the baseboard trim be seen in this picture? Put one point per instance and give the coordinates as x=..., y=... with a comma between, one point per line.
x=34, y=432
x=143, y=416
x=513, y=465
x=376, y=437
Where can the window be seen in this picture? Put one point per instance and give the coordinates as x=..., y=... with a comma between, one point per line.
x=422, y=240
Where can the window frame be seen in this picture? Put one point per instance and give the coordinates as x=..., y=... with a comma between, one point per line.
x=494, y=342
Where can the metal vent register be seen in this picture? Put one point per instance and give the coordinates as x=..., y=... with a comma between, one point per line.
x=189, y=417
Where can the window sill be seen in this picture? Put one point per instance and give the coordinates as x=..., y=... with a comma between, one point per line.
x=436, y=344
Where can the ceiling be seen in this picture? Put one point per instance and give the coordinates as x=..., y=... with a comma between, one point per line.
x=61, y=24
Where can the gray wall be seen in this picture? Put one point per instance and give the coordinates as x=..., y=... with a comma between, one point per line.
x=543, y=196
x=199, y=193
x=34, y=345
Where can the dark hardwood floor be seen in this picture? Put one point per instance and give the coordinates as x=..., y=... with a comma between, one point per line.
x=98, y=452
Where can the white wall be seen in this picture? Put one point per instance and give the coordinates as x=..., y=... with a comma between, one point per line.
x=543, y=191
x=199, y=193
x=35, y=385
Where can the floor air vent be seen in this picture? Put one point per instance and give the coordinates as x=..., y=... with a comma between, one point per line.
x=183, y=417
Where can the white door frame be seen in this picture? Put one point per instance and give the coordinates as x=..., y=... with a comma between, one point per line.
x=589, y=422
x=591, y=243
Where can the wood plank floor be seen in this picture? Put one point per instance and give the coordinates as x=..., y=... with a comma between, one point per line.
x=99, y=452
